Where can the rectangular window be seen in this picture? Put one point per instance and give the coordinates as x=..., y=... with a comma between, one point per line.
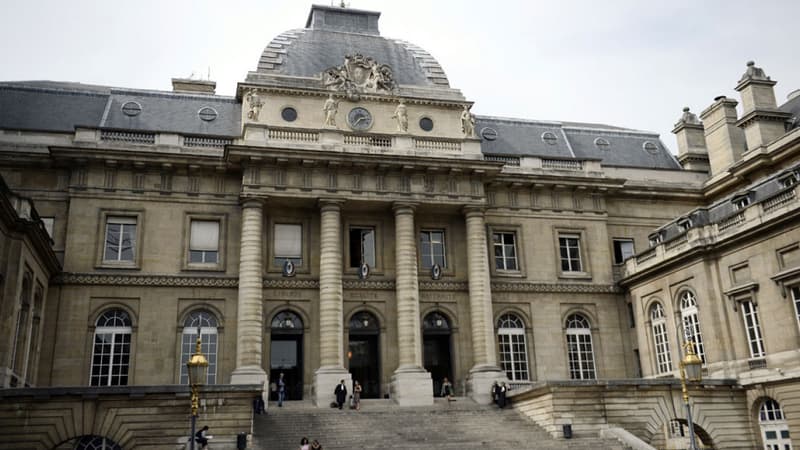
x=505, y=251
x=623, y=249
x=580, y=356
x=796, y=298
x=362, y=246
x=753, y=329
x=741, y=202
x=431, y=246
x=120, y=239
x=204, y=242
x=663, y=358
x=288, y=243
x=110, y=359
x=570, y=251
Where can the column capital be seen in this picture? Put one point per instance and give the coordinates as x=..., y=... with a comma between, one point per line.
x=330, y=203
x=404, y=207
x=252, y=202
x=472, y=211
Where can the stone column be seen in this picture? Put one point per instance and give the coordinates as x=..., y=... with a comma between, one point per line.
x=411, y=384
x=249, y=321
x=331, y=326
x=485, y=370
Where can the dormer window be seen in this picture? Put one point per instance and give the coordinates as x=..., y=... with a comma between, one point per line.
x=788, y=179
x=685, y=224
x=741, y=201
x=655, y=239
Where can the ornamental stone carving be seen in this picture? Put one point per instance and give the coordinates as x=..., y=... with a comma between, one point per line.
x=467, y=123
x=254, y=103
x=754, y=73
x=401, y=115
x=330, y=109
x=359, y=74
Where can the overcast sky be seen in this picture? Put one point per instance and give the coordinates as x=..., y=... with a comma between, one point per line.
x=628, y=63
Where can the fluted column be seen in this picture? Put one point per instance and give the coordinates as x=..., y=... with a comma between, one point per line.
x=331, y=346
x=407, y=288
x=485, y=369
x=411, y=383
x=331, y=320
x=249, y=322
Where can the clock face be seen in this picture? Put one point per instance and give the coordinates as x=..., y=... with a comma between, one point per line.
x=359, y=119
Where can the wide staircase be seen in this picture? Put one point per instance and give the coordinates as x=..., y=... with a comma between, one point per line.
x=380, y=424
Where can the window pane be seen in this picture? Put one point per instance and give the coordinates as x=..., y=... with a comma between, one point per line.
x=204, y=235
x=288, y=241
x=368, y=242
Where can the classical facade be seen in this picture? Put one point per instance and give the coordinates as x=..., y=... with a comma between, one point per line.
x=345, y=216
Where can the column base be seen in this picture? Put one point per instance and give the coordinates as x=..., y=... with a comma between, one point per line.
x=412, y=386
x=249, y=375
x=480, y=381
x=325, y=381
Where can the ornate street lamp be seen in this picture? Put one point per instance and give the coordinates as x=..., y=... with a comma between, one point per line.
x=692, y=371
x=198, y=370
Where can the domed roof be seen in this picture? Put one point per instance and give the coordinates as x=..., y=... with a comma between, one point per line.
x=333, y=33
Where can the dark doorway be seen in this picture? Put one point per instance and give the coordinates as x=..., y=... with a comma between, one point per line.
x=436, y=350
x=286, y=355
x=363, y=354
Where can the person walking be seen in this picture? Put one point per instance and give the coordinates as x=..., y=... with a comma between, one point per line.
x=341, y=393
x=357, y=396
x=281, y=390
x=447, y=389
x=304, y=445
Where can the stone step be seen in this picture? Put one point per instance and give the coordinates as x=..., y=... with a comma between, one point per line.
x=381, y=424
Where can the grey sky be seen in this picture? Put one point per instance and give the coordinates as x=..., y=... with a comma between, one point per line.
x=626, y=63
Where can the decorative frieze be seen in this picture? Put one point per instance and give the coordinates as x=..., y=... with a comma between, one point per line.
x=68, y=278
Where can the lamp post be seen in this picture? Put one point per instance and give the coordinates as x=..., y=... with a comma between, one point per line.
x=691, y=370
x=198, y=369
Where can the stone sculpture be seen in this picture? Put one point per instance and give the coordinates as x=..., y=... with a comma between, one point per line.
x=330, y=108
x=401, y=115
x=359, y=74
x=467, y=122
x=255, y=103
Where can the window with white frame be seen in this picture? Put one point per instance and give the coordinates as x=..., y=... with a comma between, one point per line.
x=774, y=426
x=513, y=351
x=752, y=328
x=569, y=246
x=655, y=239
x=741, y=201
x=505, y=250
x=623, y=249
x=362, y=246
x=431, y=248
x=796, y=298
x=580, y=353
x=287, y=243
x=111, y=351
x=660, y=340
x=691, y=323
x=208, y=343
x=120, y=235
x=204, y=242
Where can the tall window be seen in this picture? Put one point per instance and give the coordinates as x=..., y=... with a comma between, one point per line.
x=570, y=249
x=753, y=329
x=796, y=298
x=288, y=243
x=505, y=251
x=579, y=348
x=362, y=246
x=431, y=245
x=208, y=343
x=120, y=239
x=204, y=242
x=659, y=324
x=112, y=349
x=513, y=351
x=21, y=335
x=691, y=324
x=623, y=249
x=774, y=426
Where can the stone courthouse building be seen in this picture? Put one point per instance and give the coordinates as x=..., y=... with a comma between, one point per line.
x=345, y=216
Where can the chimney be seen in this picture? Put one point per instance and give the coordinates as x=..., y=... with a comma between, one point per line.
x=761, y=120
x=342, y=19
x=191, y=86
x=692, y=151
x=724, y=140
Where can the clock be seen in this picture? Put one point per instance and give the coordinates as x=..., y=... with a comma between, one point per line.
x=359, y=119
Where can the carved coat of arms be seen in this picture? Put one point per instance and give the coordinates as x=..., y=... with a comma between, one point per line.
x=359, y=74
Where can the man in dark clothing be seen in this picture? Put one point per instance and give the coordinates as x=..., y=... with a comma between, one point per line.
x=341, y=393
x=201, y=437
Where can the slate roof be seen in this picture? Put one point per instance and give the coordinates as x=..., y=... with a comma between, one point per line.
x=626, y=147
x=793, y=106
x=333, y=33
x=60, y=107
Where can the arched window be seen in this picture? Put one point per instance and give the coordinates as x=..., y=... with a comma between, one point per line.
x=96, y=443
x=513, y=351
x=774, y=426
x=208, y=343
x=659, y=324
x=112, y=349
x=579, y=348
x=691, y=324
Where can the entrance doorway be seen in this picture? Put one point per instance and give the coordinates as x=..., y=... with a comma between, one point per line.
x=363, y=354
x=286, y=354
x=436, y=333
